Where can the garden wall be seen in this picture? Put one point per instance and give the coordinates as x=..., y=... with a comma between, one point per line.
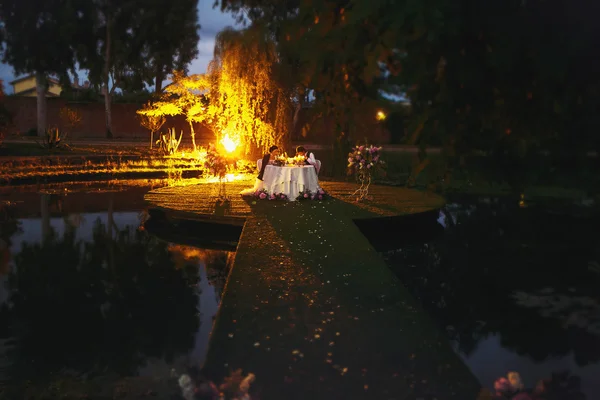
x=126, y=124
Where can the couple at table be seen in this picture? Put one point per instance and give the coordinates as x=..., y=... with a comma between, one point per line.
x=271, y=156
x=287, y=180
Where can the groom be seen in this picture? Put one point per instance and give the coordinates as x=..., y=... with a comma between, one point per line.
x=309, y=157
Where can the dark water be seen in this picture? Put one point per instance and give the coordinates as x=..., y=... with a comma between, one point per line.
x=85, y=291
x=515, y=289
x=88, y=294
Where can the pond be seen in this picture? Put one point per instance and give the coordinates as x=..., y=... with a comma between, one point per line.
x=515, y=288
x=86, y=291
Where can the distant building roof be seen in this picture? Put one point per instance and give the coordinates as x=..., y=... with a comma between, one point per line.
x=51, y=79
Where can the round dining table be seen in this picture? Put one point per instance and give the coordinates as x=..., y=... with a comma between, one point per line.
x=290, y=180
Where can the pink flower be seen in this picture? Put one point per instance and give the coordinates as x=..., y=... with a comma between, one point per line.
x=306, y=195
x=369, y=166
x=272, y=197
x=263, y=195
x=320, y=197
x=349, y=159
x=376, y=158
x=282, y=196
x=502, y=385
x=361, y=148
x=321, y=191
x=357, y=157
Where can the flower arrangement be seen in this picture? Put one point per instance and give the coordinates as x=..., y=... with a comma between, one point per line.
x=262, y=194
x=363, y=160
x=306, y=194
x=215, y=163
x=279, y=161
x=511, y=387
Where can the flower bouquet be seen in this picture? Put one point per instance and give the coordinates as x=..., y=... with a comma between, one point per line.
x=363, y=160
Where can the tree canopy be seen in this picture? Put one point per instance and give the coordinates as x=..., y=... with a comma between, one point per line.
x=478, y=74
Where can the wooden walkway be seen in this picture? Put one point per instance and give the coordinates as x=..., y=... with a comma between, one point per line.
x=311, y=308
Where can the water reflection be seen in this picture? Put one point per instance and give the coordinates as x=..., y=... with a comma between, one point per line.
x=92, y=294
x=514, y=288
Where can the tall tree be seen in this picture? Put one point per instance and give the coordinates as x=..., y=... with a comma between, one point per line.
x=113, y=51
x=479, y=75
x=38, y=39
x=170, y=28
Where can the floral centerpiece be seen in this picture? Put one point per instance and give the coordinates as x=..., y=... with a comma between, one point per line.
x=363, y=161
x=280, y=161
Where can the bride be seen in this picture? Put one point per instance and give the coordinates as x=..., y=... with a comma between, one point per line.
x=267, y=159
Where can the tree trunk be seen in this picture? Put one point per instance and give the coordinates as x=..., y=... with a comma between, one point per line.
x=193, y=135
x=42, y=88
x=296, y=118
x=107, y=65
x=160, y=76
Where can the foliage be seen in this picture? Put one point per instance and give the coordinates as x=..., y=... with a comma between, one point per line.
x=215, y=163
x=151, y=122
x=245, y=100
x=38, y=34
x=70, y=117
x=36, y=38
x=170, y=29
x=186, y=95
x=168, y=142
x=54, y=139
x=479, y=75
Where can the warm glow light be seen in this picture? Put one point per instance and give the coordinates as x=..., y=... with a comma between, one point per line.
x=230, y=177
x=380, y=115
x=229, y=144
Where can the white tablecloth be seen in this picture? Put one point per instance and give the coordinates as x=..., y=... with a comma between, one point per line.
x=290, y=180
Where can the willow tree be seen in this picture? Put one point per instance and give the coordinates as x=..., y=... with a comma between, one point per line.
x=245, y=101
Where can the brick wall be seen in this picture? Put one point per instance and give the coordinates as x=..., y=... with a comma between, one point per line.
x=126, y=125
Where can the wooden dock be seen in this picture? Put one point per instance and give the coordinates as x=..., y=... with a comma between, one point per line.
x=313, y=311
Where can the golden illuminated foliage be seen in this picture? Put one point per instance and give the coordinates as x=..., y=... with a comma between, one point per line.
x=246, y=103
x=70, y=117
x=184, y=96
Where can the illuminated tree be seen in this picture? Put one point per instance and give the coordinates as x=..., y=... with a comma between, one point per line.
x=245, y=101
x=151, y=122
x=185, y=96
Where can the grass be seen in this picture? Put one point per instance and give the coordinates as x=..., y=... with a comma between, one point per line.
x=314, y=312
